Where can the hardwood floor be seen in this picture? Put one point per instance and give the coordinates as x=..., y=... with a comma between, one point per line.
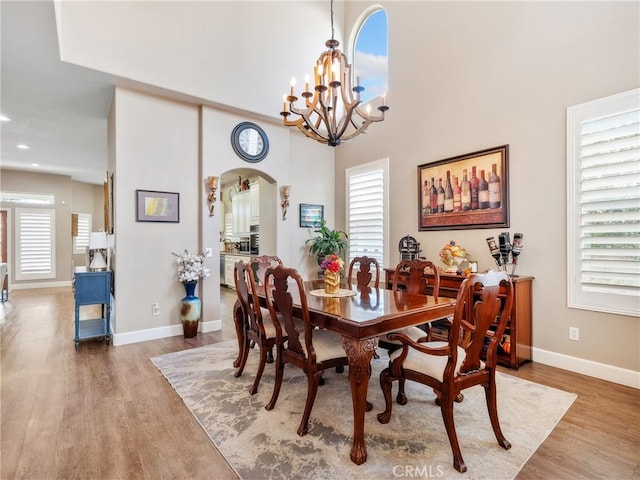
x=107, y=413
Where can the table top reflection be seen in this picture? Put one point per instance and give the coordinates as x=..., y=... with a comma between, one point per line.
x=371, y=311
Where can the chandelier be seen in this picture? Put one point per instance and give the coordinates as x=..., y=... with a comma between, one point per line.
x=333, y=111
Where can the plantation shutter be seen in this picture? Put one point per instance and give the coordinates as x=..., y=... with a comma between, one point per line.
x=605, y=205
x=366, y=211
x=35, y=243
x=84, y=229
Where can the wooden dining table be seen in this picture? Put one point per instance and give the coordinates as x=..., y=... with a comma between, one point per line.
x=360, y=318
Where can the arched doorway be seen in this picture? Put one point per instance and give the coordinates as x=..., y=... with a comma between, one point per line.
x=248, y=205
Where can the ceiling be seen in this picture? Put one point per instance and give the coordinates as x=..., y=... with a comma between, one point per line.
x=58, y=109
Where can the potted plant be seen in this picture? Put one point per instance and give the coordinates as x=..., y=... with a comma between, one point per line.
x=327, y=242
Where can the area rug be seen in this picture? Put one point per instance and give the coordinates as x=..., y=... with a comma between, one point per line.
x=261, y=444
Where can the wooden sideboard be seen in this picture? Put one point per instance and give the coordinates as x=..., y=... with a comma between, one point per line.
x=519, y=326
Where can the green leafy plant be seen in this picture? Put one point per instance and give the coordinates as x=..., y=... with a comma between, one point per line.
x=328, y=242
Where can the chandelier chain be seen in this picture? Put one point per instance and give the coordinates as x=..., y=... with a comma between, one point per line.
x=332, y=29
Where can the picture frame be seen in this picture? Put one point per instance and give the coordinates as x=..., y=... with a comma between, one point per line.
x=155, y=206
x=483, y=200
x=311, y=215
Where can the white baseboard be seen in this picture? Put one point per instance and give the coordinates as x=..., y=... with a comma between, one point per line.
x=26, y=286
x=161, y=332
x=611, y=373
x=212, y=326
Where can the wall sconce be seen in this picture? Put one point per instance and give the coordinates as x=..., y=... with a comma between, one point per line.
x=285, y=191
x=212, y=185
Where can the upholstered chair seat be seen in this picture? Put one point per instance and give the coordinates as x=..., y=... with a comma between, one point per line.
x=431, y=365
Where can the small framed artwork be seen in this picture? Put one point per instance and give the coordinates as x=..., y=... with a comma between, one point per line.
x=152, y=206
x=465, y=192
x=311, y=215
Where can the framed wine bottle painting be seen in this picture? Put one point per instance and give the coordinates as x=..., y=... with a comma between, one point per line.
x=465, y=192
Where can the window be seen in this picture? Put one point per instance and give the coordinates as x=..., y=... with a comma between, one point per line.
x=367, y=207
x=370, y=59
x=35, y=243
x=81, y=241
x=604, y=204
x=26, y=198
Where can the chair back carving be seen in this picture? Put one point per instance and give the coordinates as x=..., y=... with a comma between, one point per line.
x=247, y=296
x=277, y=282
x=415, y=281
x=260, y=264
x=483, y=308
x=364, y=274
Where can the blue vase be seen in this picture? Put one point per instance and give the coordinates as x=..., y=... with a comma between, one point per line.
x=190, y=307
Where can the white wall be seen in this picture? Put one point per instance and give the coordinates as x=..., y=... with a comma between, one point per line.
x=164, y=145
x=465, y=76
x=156, y=148
x=213, y=50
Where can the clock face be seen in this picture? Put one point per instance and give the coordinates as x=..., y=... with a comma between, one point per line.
x=250, y=142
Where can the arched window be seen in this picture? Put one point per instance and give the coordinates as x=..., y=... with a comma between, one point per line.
x=370, y=62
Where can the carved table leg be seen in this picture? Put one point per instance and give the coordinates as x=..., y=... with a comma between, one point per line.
x=359, y=353
x=238, y=319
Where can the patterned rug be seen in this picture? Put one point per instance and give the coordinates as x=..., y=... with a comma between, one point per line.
x=261, y=444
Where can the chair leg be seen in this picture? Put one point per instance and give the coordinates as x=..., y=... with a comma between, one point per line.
x=490, y=395
x=446, y=406
x=244, y=354
x=385, y=383
x=312, y=390
x=270, y=356
x=262, y=362
x=401, y=398
x=240, y=322
x=278, y=382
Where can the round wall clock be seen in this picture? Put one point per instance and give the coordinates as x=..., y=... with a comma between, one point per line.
x=250, y=142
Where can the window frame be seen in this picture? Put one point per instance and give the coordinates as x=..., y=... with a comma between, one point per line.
x=382, y=164
x=81, y=249
x=577, y=296
x=355, y=34
x=19, y=274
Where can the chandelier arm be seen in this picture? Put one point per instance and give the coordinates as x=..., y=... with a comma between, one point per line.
x=310, y=126
x=359, y=130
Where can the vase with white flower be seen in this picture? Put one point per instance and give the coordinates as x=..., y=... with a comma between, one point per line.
x=453, y=256
x=331, y=266
x=190, y=269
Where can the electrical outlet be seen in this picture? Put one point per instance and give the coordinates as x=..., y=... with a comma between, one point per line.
x=155, y=309
x=574, y=333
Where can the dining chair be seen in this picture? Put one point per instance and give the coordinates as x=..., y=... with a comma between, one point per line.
x=364, y=275
x=411, y=274
x=312, y=350
x=257, y=330
x=260, y=264
x=467, y=359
